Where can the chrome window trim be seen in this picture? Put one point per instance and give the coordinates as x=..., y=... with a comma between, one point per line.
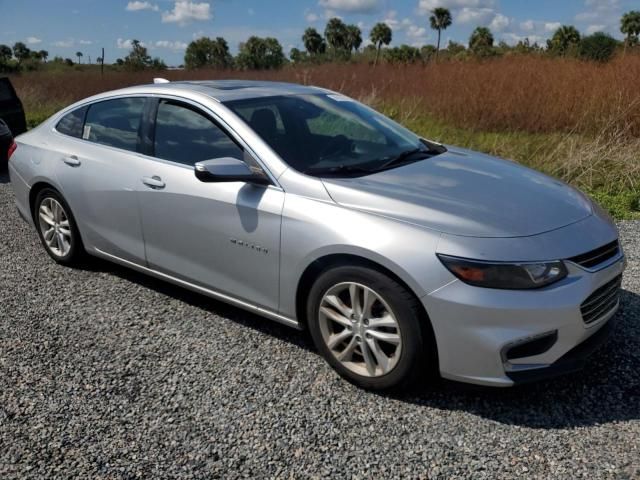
x=227, y=129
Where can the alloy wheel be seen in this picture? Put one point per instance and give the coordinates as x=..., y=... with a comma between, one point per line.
x=54, y=226
x=360, y=329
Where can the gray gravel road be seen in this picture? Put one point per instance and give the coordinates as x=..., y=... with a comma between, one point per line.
x=105, y=373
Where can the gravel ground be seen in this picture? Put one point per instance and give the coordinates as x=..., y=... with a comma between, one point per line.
x=105, y=373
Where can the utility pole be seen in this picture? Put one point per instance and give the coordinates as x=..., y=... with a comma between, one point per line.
x=102, y=63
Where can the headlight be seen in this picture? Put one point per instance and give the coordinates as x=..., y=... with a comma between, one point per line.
x=507, y=276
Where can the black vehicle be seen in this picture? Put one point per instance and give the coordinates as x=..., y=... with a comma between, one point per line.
x=11, y=110
x=7, y=145
x=12, y=119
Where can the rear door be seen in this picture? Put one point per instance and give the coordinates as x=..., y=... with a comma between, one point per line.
x=99, y=169
x=11, y=110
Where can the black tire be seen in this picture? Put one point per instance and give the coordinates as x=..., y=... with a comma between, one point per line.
x=76, y=252
x=412, y=361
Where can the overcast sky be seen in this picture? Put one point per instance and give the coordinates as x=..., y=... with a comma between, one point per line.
x=63, y=27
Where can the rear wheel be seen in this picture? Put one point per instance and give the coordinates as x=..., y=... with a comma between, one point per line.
x=57, y=228
x=367, y=326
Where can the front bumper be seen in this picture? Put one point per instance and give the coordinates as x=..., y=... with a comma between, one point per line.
x=572, y=361
x=475, y=326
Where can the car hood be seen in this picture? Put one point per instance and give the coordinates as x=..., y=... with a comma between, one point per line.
x=465, y=193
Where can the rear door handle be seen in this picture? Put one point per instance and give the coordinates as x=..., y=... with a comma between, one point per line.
x=72, y=161
x=153, y=182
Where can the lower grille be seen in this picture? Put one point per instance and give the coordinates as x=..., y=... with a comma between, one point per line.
x=602, y=301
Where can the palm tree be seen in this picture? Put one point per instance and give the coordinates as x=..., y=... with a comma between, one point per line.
x=354, y=37
x=481, y=41
x=630, y=26
x=337, y=34
x=380, y=33
x=440, y=20
x=79, y=55
x=564, y=40
x=313, y=42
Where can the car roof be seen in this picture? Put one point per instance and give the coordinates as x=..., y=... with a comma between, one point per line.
x=227, y=90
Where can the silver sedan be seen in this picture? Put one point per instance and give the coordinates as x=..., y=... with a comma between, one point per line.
x=401, y=256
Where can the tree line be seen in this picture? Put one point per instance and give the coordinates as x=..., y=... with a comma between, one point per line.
x=342, y=42
x=20, y=57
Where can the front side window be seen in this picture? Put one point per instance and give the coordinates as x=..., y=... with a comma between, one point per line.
x=327, y=134
x=72, y=123
x=187, y=136
x=115, y=123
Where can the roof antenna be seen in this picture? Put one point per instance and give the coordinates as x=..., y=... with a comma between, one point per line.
x=160, y=80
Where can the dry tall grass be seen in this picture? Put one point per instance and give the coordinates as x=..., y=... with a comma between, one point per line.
x=575, y=120
x=518, y=93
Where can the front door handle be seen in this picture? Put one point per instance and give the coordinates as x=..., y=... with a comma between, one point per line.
x=72, y=161
x=153, y=182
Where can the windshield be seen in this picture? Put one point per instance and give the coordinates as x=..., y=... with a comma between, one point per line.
x=329, y=134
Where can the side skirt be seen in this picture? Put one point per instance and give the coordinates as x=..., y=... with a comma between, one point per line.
x=205, y=291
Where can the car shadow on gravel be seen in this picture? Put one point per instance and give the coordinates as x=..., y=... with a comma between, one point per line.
x=203, y=302
x=4, y=175
x=607, y=390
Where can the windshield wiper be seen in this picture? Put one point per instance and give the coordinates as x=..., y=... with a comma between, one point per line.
x=338, y=170
x=404, y=156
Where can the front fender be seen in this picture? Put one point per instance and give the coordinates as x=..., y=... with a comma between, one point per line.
x=313, y=229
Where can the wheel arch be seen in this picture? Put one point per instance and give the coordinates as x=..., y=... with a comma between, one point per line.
x=321, y=264
x=35, y=189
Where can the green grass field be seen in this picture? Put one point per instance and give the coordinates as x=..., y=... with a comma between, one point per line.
x=553, y=154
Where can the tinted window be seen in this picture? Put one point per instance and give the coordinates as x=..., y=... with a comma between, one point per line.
x=186, y=136
x=251, y=115
x=6, y=91
x=71, y=124
x=326, y=133
x=114, y=122
x=330, y=124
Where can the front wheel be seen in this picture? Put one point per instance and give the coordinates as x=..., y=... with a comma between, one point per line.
x=367, y=326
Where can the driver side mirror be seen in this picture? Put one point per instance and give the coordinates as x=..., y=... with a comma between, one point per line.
x=227, y=169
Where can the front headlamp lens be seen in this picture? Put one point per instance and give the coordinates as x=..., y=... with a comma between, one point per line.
x=511, y=276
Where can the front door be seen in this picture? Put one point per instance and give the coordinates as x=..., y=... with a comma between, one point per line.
x=223, y=236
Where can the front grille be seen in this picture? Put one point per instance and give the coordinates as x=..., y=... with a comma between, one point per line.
x=602, y=301
x=597, y=256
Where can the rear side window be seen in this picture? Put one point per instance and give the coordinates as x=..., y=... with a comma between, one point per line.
x=184, y=135
x=71, y=124
x=114, y=122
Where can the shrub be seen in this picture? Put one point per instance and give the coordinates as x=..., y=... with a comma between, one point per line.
x=598, y=47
